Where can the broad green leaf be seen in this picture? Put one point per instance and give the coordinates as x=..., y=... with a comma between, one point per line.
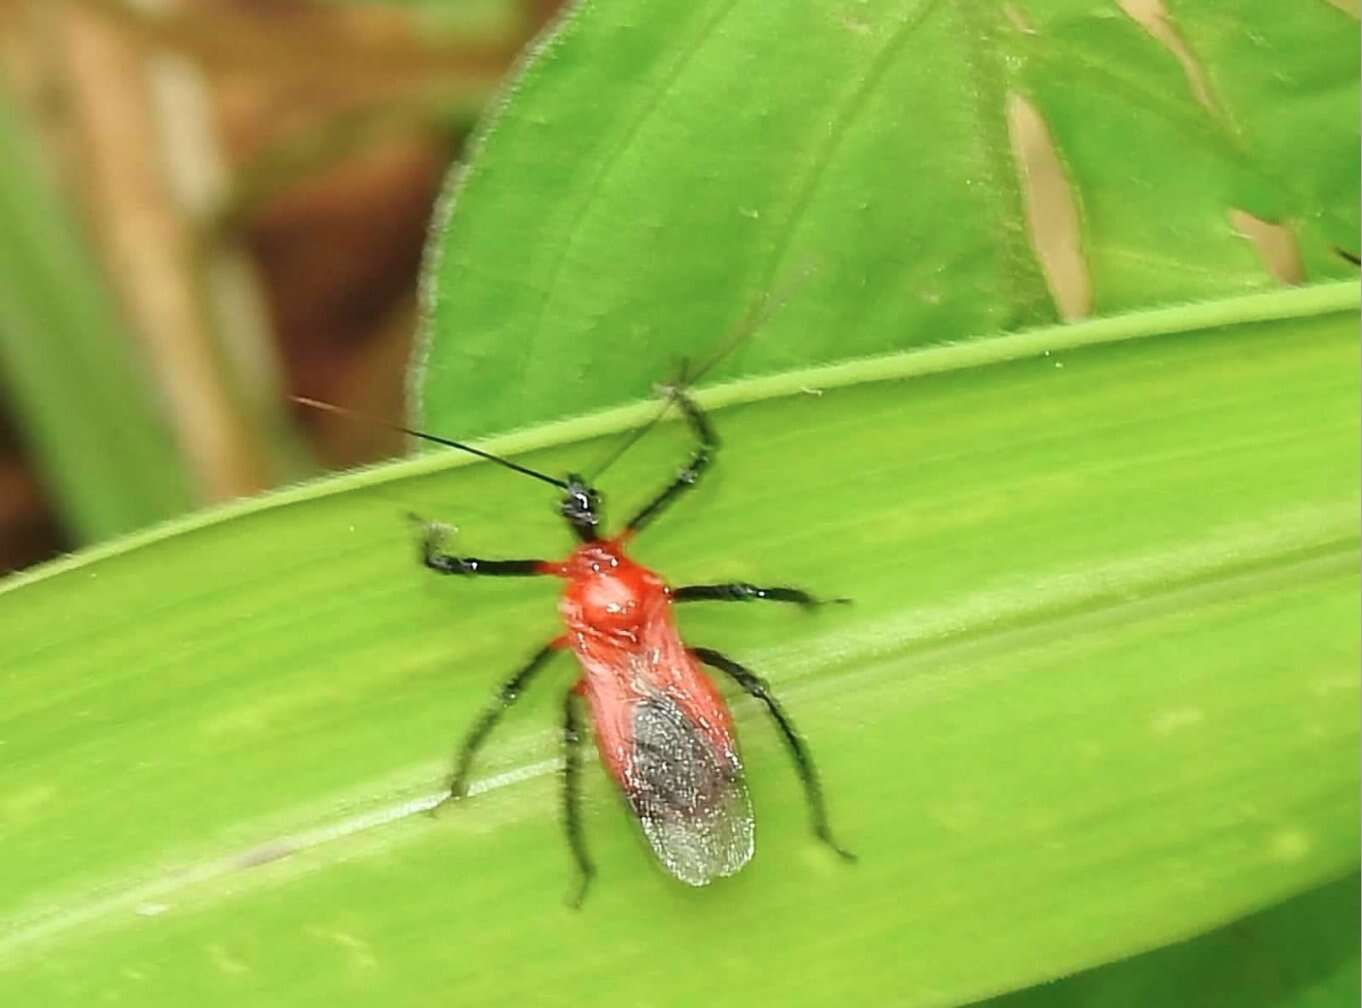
x=662, y=167
x=1300, y=954
x=1097, y=693
x=70, y=373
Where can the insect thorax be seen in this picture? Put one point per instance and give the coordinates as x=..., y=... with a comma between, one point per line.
x=609, y=594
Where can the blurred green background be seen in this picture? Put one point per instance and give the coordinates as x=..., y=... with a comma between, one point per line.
x=1062, y=386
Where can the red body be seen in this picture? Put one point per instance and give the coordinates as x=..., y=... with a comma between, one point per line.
x=663, y=731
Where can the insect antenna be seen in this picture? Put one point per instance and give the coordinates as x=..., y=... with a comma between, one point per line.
x=757, y=316
x=345, y=411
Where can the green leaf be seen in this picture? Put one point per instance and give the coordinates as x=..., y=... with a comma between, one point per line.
x=74, y=383
x=1301, y=954
x=1098, y=690
x=664, y=166
x=1097, y=693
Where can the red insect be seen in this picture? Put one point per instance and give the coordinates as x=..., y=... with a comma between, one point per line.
x=663, y=731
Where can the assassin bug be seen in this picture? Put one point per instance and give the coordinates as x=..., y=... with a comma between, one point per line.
x=662, y=729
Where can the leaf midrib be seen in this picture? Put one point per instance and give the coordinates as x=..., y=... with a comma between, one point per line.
x=1296, y=302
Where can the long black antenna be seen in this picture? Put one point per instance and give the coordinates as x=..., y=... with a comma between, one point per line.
x=344, y=411
x=756, y=317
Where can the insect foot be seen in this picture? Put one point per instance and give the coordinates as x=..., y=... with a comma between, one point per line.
x=577, y=896
x=449, y=799
x=826, y=836
x=433, y=535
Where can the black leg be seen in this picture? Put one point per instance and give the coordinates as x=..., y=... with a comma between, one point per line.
x=572, y=813
x=694, y=469
x=445, y=563
x=813, y=793
x=741, y=591
x=508, y=694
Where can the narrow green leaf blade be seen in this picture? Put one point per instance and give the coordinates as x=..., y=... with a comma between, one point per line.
x=1097, y=693
x=69, y=367
x=1300, y=954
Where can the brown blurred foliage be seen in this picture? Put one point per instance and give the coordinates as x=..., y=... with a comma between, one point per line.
x=257, y=178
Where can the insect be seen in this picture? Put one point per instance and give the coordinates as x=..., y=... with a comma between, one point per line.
x=662, y=729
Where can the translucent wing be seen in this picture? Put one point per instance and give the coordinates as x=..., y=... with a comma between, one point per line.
x=689, y=796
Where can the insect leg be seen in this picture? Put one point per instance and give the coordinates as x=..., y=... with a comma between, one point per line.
x=432, y=556
x=740, y=591
x=693, y=470
x=508, y=694
x=572, y=812
x=808, y=774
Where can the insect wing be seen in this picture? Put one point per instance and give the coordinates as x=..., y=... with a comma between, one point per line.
x=688, y=794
